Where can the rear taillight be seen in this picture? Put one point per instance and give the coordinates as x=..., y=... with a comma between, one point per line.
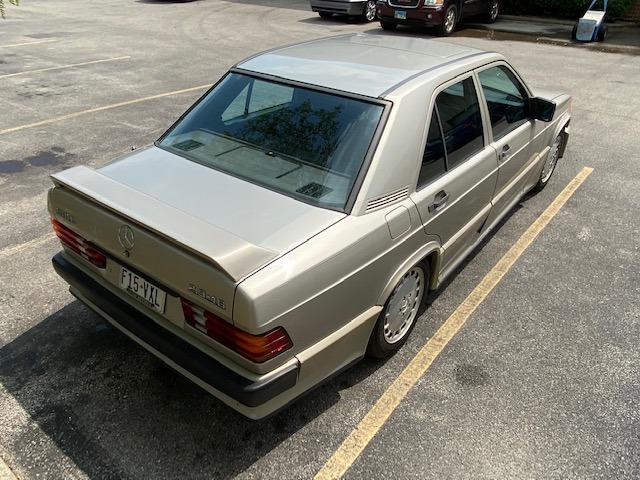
x=79, y=245
x=257, y=348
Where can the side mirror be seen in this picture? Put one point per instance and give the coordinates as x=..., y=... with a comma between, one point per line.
x=542, y=109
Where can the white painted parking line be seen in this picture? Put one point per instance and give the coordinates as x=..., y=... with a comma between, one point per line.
x=100, y=109
x=28, y=43
x=373, y=421
x=60, y=67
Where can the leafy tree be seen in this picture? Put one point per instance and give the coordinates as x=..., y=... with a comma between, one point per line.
x=13, y=2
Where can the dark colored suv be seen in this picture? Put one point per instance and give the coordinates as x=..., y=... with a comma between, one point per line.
x=441, y=14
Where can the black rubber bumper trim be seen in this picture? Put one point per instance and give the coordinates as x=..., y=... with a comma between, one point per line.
x=193, y=360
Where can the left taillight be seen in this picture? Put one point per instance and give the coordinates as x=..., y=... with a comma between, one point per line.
x=79, y=245
x=257, y=348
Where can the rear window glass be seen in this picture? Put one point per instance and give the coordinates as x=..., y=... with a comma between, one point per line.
x=300, y=142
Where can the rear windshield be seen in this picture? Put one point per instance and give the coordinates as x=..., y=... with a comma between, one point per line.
x=303, y=143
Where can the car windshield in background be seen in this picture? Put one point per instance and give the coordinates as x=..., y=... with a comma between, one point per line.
x=303, y=143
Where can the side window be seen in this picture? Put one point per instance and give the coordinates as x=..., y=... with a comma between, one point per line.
x=455, y=131
x=433, y=159
x=461, y=122
x=506, y=100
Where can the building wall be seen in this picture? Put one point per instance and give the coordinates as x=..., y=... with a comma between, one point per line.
x=634, y=12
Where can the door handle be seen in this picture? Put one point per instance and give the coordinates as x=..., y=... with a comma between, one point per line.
x=505, y=153
x=439, y=201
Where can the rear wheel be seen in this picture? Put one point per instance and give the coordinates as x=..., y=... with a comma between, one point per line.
x=448, y=24
x=602, y=33
x=492, y=15
x=325, y=14
x=549, y=164
x=397, y=319
x=369, y=14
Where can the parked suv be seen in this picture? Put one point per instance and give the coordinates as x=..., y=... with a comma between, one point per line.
x=441, y=14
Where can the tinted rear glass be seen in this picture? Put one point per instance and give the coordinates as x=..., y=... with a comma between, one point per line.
x=303, y=143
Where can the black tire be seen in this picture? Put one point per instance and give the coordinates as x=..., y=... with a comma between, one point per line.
x=449, y=22
x=602, y=33
x=400, y=313
x=492, y=15
x=325, y=14
x=369, y=13
x=574, y=32
x=387, y=25
x=550, y=163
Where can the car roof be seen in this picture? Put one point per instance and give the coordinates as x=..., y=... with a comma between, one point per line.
x=371, y=65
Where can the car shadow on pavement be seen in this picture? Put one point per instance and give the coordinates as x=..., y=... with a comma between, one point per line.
x=118, y=412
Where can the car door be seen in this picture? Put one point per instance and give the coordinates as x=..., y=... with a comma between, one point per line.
x=507, y=103
x=472, y=7
x=458, y=172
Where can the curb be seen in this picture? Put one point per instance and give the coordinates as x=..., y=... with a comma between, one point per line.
x=5, y=471
x=551, y=40
x=598, y=46
x=561, y=21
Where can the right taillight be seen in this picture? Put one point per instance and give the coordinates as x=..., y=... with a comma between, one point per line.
x=257, y=348
x=79, y=245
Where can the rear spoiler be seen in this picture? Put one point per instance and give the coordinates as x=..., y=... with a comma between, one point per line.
x=228, y=252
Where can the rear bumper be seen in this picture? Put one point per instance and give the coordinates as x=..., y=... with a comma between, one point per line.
x=189, y=360
x=337, y=7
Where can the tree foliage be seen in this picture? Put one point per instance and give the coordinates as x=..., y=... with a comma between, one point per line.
x=13, y=2
x=573, y=9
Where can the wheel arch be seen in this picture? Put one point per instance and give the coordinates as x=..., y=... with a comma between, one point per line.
x=430, y=254
x=459, y=6
x=562, y=128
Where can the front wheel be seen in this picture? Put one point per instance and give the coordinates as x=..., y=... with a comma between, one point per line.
x=387, y=25
x=448, y=24
x=549, y=164
x=397, y=319
x=325, y=14
x=369, y=14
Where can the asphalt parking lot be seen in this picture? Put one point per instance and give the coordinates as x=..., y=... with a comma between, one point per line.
x=541, y=381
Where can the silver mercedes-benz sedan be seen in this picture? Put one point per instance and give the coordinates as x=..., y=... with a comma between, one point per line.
x=292, y=220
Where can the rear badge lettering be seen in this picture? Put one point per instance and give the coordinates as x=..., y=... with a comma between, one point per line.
x=218, y=302
x=66, y=215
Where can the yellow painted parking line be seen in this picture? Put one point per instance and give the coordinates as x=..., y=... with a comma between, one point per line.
x=5, y=471
x=24, y=246
x=48, y=69
x=360, y=437
x=100, y=109
x=28, y=43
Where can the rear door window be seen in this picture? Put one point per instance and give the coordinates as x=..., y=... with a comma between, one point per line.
x=455, y=132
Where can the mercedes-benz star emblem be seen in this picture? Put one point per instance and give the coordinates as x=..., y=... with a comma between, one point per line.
x=126, y=237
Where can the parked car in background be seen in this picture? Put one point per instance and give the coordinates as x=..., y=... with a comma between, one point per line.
x=364, y=9
x=443, y=15
x=293, y=219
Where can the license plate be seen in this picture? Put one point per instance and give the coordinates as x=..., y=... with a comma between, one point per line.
x=143, y=290
x=400, y=15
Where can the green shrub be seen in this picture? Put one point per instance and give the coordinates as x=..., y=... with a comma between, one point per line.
x=563, y=8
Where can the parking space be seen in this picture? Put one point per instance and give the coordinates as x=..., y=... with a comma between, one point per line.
x=541, y=380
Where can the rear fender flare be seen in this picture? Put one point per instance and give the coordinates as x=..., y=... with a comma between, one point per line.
x=431, y=253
